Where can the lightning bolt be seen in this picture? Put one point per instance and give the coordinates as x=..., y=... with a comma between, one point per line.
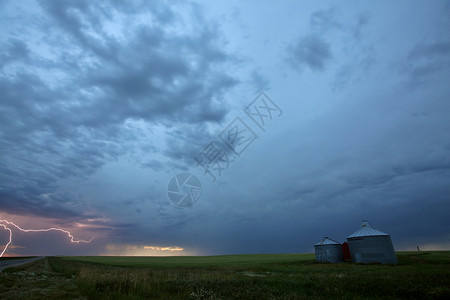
x=5, y=223
x=10, y=238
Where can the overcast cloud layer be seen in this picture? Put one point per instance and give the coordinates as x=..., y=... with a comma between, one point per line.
x=101, y=103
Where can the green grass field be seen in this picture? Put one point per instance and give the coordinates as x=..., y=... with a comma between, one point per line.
x=266, y=276
x=194, y=261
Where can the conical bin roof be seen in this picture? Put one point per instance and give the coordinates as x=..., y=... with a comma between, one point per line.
x=367, y=229
x=327, y=241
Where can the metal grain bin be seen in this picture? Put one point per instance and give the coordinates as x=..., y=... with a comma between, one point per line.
x=369, y=245
x=328, y=250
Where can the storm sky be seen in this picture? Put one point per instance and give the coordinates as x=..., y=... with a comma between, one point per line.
x=103, y=102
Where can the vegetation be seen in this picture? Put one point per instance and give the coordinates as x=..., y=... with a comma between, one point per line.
x=274, y=276
x=194, y=261
x=15, y=257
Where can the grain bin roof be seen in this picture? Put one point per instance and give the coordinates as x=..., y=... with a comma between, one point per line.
x=327, y=241
x=367, y=230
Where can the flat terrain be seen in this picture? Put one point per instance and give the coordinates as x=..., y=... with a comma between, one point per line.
x=194, y=261
x=271, y=276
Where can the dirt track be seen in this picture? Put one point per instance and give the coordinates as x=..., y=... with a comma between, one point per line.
x=16, y=262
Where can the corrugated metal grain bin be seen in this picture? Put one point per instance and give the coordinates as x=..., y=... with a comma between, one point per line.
x=369, y=245
x=328, y=250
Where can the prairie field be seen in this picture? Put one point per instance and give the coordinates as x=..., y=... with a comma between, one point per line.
x=261, y=276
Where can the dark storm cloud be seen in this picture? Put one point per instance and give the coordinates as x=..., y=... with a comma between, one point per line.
x=310, y=51
x=14, y=49
x=330, y=187
x=347, y=166
x=65, y=99
x=326, y=21
x=356, y=68
x=185, y=143
x=323, y=21
x=32, y=200
x=153, y=164
x=362, y=20
x=359, y=55
x=259, y=81
x=314, y=51
x=152, y=73
x=425, y=63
